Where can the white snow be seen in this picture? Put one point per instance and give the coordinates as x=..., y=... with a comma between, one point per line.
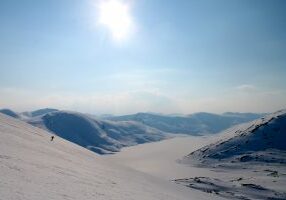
x=32, y=168
x=264, y=178
x=249, y=161
x=160, y=158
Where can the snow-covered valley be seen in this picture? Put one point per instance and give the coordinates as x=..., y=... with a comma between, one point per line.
x=246, y=161
x=261, y=176
x=33, y=168
x=107, y=135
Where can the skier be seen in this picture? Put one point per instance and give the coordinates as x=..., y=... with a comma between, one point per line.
x=52, y=138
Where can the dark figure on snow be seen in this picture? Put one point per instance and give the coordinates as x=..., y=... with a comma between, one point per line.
x=52, y=138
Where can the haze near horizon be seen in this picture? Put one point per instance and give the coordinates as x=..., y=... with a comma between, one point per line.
x=128, y=56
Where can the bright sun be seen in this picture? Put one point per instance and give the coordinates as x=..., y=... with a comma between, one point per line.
x=114, y=14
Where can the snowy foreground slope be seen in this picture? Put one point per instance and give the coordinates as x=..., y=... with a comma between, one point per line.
x=33, y=168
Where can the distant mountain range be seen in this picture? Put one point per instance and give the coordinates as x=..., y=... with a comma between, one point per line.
x=194, y=124
x=39, y=112
x=10, y=113
x=27, y=114
x=110, y=133
x=97, y=135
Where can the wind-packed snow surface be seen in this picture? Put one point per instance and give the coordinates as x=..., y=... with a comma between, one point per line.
x=33, y=168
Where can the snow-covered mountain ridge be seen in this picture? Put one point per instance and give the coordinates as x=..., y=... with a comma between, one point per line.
x=261, y=141
x=194, y=124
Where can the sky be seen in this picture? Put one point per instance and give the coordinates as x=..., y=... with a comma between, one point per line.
x=128, y=56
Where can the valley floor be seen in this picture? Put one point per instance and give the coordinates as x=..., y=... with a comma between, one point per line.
x=160, y=159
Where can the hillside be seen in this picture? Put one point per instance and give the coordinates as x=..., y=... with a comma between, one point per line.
x=261, y=141
x=33, y=167
x=247, y=162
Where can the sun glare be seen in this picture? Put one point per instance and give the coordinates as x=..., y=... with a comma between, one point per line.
x=114, y=14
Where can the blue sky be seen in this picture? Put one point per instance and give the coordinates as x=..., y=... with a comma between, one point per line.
x=180, y=56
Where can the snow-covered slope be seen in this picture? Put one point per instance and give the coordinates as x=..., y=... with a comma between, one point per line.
x=33, y=168
x=198, y=123
x=263, y=140
x=100, y=136
x=247, y=162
